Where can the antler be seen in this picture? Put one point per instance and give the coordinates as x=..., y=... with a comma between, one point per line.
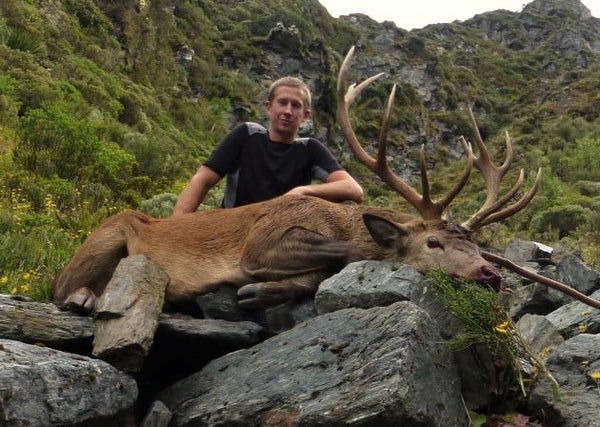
x=422, y=203
x=541, y=279
x=492, y=175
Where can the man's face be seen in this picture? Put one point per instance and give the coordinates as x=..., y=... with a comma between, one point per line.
x=286, y=112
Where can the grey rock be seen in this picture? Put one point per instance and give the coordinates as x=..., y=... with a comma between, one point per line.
x=524, y=251
x=353, y=366
x=220, y=304
x=32, y=322
x=127, y=313
x=366, y=284
x=539, y=333
x=285, y=316
x=571, y=364
x=237, y=334
x=44, y=387
x=534, y=298
x=576, y=317
x=572, y=271
x=158, y=415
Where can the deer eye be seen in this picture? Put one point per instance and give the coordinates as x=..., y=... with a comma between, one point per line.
x=433, y=242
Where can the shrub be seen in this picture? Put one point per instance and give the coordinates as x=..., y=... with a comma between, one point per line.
x=113, y=166
x=55, y=142
x=159, y=206
x=560, y=219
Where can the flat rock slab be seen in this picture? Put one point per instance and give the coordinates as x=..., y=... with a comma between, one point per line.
x=32, y=322
x=350, y=367
x=573, y=365
x=127, y=313
x=41, y=387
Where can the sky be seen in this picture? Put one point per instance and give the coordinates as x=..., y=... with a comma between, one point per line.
x=419, y=13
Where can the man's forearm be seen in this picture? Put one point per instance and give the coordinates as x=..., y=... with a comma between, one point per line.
x=336, y=191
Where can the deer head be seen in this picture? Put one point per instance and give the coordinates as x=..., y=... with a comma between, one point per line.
x=494, y=207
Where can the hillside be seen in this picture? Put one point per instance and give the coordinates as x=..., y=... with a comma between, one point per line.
x=108, y=105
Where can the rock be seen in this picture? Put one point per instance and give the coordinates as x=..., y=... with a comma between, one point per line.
x=366, y=284
x=38, y=323
x=572, y=271
x=534, y=298
x=184, y=56
x=183, y=345
x=571, y=364
x=353, y=366
x=158, y=416
x=576, y=317
x=220, y=304
x=539, y=333
x=42, y=387
x=523, y=251
x=285, y=316
x=127, y=313
x=233, y=335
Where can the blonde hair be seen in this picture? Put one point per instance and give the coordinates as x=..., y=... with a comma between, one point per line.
x=291, y=82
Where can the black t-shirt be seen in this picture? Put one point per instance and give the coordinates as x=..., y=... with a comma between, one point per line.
x=258, y=169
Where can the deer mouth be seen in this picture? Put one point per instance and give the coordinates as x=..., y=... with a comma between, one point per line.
x=489, y=276
x=486, y=276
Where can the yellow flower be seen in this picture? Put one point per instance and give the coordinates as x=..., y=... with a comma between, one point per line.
x=26, y=276
x=595, y=375
x=14, y=290
x=4, y=280
x=582, y=327
x=502, y=327
x=25, y=288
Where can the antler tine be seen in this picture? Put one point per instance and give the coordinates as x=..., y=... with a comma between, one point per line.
x=492, y=176
x=379, y=166
x=422, y=203
x=443, y=203
x=513, y=209
x=491, y=173
x=343, y=104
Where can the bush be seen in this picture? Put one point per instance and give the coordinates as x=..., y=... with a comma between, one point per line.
x=113, y=166
x=54, y=142
x=560, y=219
x=159, y=206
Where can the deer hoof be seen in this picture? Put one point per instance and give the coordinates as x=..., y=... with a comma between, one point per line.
x=249, y=296
x=82, y=301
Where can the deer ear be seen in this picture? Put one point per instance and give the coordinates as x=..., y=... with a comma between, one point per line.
x=386, y=233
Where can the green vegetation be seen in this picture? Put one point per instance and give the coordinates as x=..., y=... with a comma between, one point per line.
x=99, y=113
x=486, y=322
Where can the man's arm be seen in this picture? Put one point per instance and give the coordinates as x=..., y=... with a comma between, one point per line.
x=340, y=186
x=195, y=192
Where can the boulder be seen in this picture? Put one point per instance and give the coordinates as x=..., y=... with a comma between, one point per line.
x=354, y=366
x=574, y=365
x=127, y=313
x=42, y=387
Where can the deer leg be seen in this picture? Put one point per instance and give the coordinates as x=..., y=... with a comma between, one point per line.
x=292, y=265
x=92, y=266
x=265, y=294
x=298, y=251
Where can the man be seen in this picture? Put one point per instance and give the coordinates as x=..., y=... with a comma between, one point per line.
x=264, y=163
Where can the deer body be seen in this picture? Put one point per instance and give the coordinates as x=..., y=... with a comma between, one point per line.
x=280, y=248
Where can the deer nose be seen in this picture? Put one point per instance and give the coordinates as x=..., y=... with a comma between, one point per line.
x=488, y=275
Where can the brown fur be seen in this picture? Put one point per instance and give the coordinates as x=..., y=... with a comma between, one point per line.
x=272, y=250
